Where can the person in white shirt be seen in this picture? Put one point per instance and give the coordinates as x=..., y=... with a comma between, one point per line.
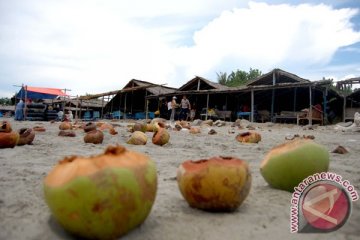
x=69, y=116
x=173, y=107
x=60, y=116
x=169, y=108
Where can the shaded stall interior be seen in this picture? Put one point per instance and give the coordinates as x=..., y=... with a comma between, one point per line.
x=131, y=101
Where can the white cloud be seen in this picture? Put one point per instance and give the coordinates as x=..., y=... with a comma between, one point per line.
x=98, y=46
x=266, y=36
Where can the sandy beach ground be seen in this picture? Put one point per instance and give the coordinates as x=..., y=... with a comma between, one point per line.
x=263, y=215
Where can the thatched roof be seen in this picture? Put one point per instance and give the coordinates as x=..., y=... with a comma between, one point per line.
x=152, y=88
x=200, y=83
x=281, y=76
x=137, y=83
x=134, y=85
x=245, y=88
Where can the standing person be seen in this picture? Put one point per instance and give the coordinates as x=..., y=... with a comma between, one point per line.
x=19, y=110
x=185, y=108
x=193, y=112
x=169, y=108
x=60, y=116
x=69, y=116
x=173, y=107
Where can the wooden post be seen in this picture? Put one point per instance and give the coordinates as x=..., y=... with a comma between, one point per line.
x=125, y=106
x=310, y=107
x=80, y=108
x=146, y=106
x=272, y=103
x=273, y=96
x=207, y=107
x=120, y=95
x=295, y=92
x=226, y=102
x=344, y=108
x=25, y=108
x=325, y=93
x=112, y=103
x=77, y=106
x=102, y=108
x=198, y=86
x=252, y=106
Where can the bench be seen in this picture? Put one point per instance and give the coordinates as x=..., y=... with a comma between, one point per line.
x=223, y=114
x=263, y=115
x=284, y=116
x=117, y=115
x=243, y=114
x=316, y=115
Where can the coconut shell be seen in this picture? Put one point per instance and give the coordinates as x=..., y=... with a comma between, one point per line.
x=215, y=184
x=161, y=137
x=26, y=136
x=39, y=129
x=195, y=130
x=112, y=192
x=150, y=127
x=90, y=126
x=106, y=126
x=112, y=131
x=9, y=139
x=137, y=138
x=288, y=164
x=65, y=126
x=248, y=137
x=95, y=137
x=5, y=126
x=140, y=127
x=67, y=133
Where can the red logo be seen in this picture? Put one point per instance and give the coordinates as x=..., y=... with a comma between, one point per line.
x=326, y=207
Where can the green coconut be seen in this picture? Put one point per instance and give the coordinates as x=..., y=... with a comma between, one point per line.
x=104, y=196
x=286, y=165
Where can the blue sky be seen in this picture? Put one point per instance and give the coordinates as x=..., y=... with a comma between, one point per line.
x=92, y=46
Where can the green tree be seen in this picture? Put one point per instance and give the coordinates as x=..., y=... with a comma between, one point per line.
x=222, y=78
x=5, y=101
x=253, y=73
x=238, y=78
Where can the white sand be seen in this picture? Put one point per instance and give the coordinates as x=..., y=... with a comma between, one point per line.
x=263, y=215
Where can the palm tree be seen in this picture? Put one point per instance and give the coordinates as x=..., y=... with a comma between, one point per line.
x=222, y=78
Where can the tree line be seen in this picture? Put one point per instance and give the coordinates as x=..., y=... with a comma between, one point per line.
x=6, y=101
x=238, y=77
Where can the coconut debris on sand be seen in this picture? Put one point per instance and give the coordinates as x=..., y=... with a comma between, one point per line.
x=264, y=214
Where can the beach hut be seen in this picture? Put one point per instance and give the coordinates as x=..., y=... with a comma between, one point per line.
x=203, y=95
x=131, y=101
x=285, y=94
x=351, y=97
x=275, y=96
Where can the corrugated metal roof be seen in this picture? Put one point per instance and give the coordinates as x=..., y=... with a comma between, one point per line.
x=205, y=84
x=158, y=90
x=281, y=76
